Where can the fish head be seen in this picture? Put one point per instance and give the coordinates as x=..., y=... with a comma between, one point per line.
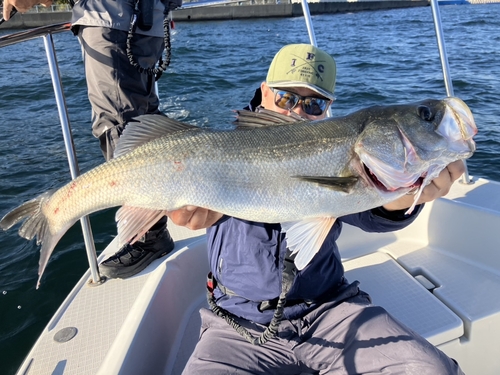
x=404, y=147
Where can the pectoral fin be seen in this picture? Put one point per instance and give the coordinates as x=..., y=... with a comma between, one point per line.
x=344, y=184
x=305, y=238
x=134, y=222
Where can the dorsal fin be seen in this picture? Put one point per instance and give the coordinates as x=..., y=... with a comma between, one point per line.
x=262, y=118
x=144, y=129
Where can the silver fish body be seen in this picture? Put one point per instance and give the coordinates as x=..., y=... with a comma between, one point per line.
x=276, y=173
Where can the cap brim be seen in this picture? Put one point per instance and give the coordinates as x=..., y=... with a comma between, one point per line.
x=314, y=88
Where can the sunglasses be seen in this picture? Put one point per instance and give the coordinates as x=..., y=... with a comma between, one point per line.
x=310, y=105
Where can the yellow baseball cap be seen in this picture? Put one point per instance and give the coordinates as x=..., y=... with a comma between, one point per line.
x=303, y=65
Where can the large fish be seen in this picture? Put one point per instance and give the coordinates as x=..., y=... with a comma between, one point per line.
x=272, y=168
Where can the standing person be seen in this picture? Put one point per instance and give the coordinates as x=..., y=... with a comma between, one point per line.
x=329, y=325
x=119, y=58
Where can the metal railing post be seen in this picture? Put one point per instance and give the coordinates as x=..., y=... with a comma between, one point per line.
x=445, y=67
x=70, y=149
x=312, y=35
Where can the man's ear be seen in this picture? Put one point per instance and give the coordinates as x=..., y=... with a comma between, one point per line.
x=264, y=87
x=267, y=95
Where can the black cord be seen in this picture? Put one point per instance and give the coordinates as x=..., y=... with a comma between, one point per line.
x=271, y=330
x=162, y=64
x=287, y=278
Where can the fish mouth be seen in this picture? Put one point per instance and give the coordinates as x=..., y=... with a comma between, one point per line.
x=458, y=126
x=379, y=185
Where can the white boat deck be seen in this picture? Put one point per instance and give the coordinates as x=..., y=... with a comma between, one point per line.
x=389, y=285
x=440, y=276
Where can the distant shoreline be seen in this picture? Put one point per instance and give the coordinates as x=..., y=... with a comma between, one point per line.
x=229, y=12
x=288, y=10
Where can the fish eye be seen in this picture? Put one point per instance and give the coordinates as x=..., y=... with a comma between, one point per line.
x=425, y=113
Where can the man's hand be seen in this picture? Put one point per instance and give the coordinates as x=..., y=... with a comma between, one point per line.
x=21, y=6
x=194, y=217
x=437, y=188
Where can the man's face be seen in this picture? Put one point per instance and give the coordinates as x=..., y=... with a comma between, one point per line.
x=268, y=101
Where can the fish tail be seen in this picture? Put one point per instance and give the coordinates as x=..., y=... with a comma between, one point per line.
x=32, y=215
x=36, y=224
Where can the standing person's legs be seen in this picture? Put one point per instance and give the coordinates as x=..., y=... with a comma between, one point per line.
x=118, y=92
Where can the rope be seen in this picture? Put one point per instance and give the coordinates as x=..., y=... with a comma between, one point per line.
x=162, y=64
x=271, y=330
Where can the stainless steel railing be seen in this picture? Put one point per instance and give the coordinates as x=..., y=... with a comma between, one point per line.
x=46, y=33
x=444, y=66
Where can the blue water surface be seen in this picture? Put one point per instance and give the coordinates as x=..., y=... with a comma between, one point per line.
x=383, y=57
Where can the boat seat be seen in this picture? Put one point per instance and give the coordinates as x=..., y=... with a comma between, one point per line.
x=452, y=249
x=393, y=288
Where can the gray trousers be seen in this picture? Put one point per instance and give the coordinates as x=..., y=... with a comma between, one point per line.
x=353, y=337
x=117, y=91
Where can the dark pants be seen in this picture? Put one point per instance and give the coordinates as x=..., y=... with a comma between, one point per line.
x=117, y=91
x=353, y=337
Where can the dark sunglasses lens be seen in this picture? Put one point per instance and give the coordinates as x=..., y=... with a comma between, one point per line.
x=285, y=99
x=314, y=106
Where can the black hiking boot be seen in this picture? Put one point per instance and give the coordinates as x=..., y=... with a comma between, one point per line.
x=132, y=259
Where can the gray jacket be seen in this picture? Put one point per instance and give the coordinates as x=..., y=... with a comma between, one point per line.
x=116, y=14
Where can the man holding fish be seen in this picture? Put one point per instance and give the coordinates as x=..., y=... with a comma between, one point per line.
x=270, y=316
